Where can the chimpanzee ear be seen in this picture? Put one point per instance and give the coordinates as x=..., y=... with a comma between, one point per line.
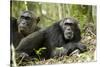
x=38, y=19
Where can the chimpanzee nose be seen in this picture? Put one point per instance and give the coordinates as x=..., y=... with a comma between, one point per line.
x=23, y=23
x=68, y=28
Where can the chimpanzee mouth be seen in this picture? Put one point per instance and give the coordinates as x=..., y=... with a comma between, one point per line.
x=22, y=28
x=68, y=35
x=22, y=31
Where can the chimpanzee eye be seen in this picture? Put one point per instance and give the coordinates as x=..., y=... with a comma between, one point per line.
x=22, y=17
x=65, y=23
x=68, y=23
x=27, y=18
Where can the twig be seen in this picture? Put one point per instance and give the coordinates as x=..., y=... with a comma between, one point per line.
x=21, y=60
x=13, y=56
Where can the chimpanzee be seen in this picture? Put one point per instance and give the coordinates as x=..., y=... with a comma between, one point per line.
x=15, y=36
x=27, y=23
x=62, y=34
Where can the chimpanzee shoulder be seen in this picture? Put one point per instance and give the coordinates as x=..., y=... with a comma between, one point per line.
x=54, y=35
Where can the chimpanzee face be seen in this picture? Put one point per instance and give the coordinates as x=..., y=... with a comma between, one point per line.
x=26, y=22
x=68, y=26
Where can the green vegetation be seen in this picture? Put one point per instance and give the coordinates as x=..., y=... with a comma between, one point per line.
x=50, y=13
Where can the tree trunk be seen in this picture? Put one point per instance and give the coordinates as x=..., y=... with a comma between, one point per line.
x=89, y=14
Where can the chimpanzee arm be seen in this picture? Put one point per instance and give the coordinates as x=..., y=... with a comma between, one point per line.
x=32, y=41
x=72, y=46
x=81, y=47
x=67, y=49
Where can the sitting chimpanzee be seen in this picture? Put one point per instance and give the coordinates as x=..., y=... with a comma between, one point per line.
x=64, y=33
x=27, y=23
